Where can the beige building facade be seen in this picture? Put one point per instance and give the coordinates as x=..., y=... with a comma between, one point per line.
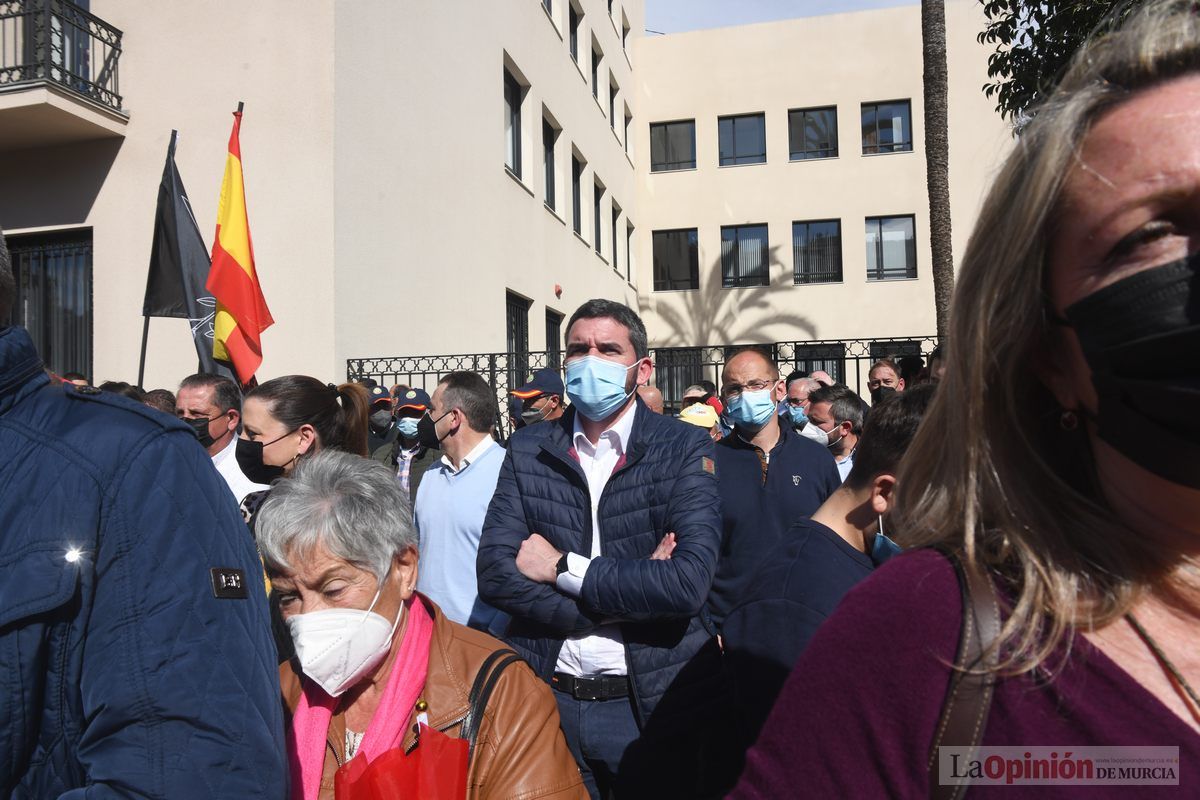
x=457, y=177
x=800, y=212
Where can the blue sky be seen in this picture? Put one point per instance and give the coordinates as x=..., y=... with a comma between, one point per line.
x=676, y=16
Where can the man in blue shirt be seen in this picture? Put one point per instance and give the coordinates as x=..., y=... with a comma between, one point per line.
x=768, y=475
x=454, y=494
x=818, y=561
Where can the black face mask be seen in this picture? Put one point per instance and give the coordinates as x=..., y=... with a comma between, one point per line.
x=1141, y=338
x=381, y=421
x=250, y=459
x=427, y=433
x=199, y=426
x=880, y=393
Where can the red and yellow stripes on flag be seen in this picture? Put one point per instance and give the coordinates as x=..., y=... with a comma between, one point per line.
x=242, y=313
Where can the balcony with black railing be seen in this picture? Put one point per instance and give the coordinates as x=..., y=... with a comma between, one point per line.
x=59, y=78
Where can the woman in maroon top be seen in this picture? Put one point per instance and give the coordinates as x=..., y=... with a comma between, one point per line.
x=1061, y=455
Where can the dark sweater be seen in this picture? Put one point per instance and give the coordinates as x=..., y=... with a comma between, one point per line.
x=788, y=598
x=857, y=715
x=755, y=512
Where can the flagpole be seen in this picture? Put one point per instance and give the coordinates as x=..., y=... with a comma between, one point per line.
x=142, y=361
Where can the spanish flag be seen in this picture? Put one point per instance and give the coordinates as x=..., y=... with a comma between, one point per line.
x=242, y=313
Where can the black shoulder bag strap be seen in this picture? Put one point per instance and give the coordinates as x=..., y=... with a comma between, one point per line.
x=969, y=695
x=481, y=690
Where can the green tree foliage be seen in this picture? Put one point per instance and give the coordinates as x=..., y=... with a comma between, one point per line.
x=1035, y=40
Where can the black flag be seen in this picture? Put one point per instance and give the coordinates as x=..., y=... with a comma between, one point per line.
x=179, y=264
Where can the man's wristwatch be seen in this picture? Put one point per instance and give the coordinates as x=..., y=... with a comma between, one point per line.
x=561, y=566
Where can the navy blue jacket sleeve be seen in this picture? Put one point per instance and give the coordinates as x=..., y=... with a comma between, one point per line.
x=641, y=590
x=180, y=689
x=501, y=584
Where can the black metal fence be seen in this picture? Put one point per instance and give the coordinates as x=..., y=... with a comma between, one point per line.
x=675, y=368
x=58, y=42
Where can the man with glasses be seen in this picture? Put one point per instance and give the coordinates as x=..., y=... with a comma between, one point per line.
x=768, y=475
x=212, y=406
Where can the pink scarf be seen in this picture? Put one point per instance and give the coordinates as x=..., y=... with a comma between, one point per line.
x=310, y=723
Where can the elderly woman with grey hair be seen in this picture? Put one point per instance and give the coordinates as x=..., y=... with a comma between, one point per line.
x=374, y=658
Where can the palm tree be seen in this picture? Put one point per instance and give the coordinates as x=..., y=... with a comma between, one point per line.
x=937, y=156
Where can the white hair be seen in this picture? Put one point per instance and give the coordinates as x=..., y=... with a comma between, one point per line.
x=352, y=506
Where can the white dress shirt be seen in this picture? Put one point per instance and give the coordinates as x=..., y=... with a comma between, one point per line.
x=226, y=464
x=846, y=464
x=485, y=444
x=601, y=652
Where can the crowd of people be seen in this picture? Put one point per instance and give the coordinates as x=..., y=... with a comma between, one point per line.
x=306, y=590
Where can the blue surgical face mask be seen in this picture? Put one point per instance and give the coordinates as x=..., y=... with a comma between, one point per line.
x=596, y=386
x=797, y=414
x=751, y=410
x=407, y=427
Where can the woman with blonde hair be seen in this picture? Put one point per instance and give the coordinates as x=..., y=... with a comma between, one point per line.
x=1058, y=471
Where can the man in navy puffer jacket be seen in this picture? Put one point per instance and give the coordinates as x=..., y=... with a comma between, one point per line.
x=600, y=542
x=135, y=644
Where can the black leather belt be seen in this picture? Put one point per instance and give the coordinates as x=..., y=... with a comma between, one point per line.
x=594, y=687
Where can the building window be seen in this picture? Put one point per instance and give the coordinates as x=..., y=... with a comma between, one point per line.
x=817, y=251
x=629, y=252
x=596, y=57
x=612, y=101
x=548, y=5
x=624, y=33
x=744, y=253
x=742, y=139
x=616, y=218
x=554, y=339
x=894, y=349
x=549, y=137
x=886, y=127
x=829, y=357
x=517, y=334
x=812, y=133
x=512, y=124
x=891, y=248
x=628, y=127
x=573, y=20
x=675, y=369
x=673, y=145
x=676, y=260
x=576, y=194
x=53, y=273
x=598, y=197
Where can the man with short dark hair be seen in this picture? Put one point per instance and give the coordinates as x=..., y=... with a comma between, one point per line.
x=769, y=475
x=819, y=560
x=835, y=420
x=600, y=543
x=134, y=632
x=212, y=406
x=883, y=379
x=454, y=494
x=160, y=400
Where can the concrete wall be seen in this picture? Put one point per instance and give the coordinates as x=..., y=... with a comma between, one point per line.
x=841, y=60
x=385, y=222
x=432, y=229
x=186, y=66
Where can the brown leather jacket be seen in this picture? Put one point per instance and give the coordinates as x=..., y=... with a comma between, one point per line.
x=520, y=751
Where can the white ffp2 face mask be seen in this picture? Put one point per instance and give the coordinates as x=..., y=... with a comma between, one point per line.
x=337, y=647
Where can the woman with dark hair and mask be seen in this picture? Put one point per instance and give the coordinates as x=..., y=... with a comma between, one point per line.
x=290, y=417
x=1059, y=467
